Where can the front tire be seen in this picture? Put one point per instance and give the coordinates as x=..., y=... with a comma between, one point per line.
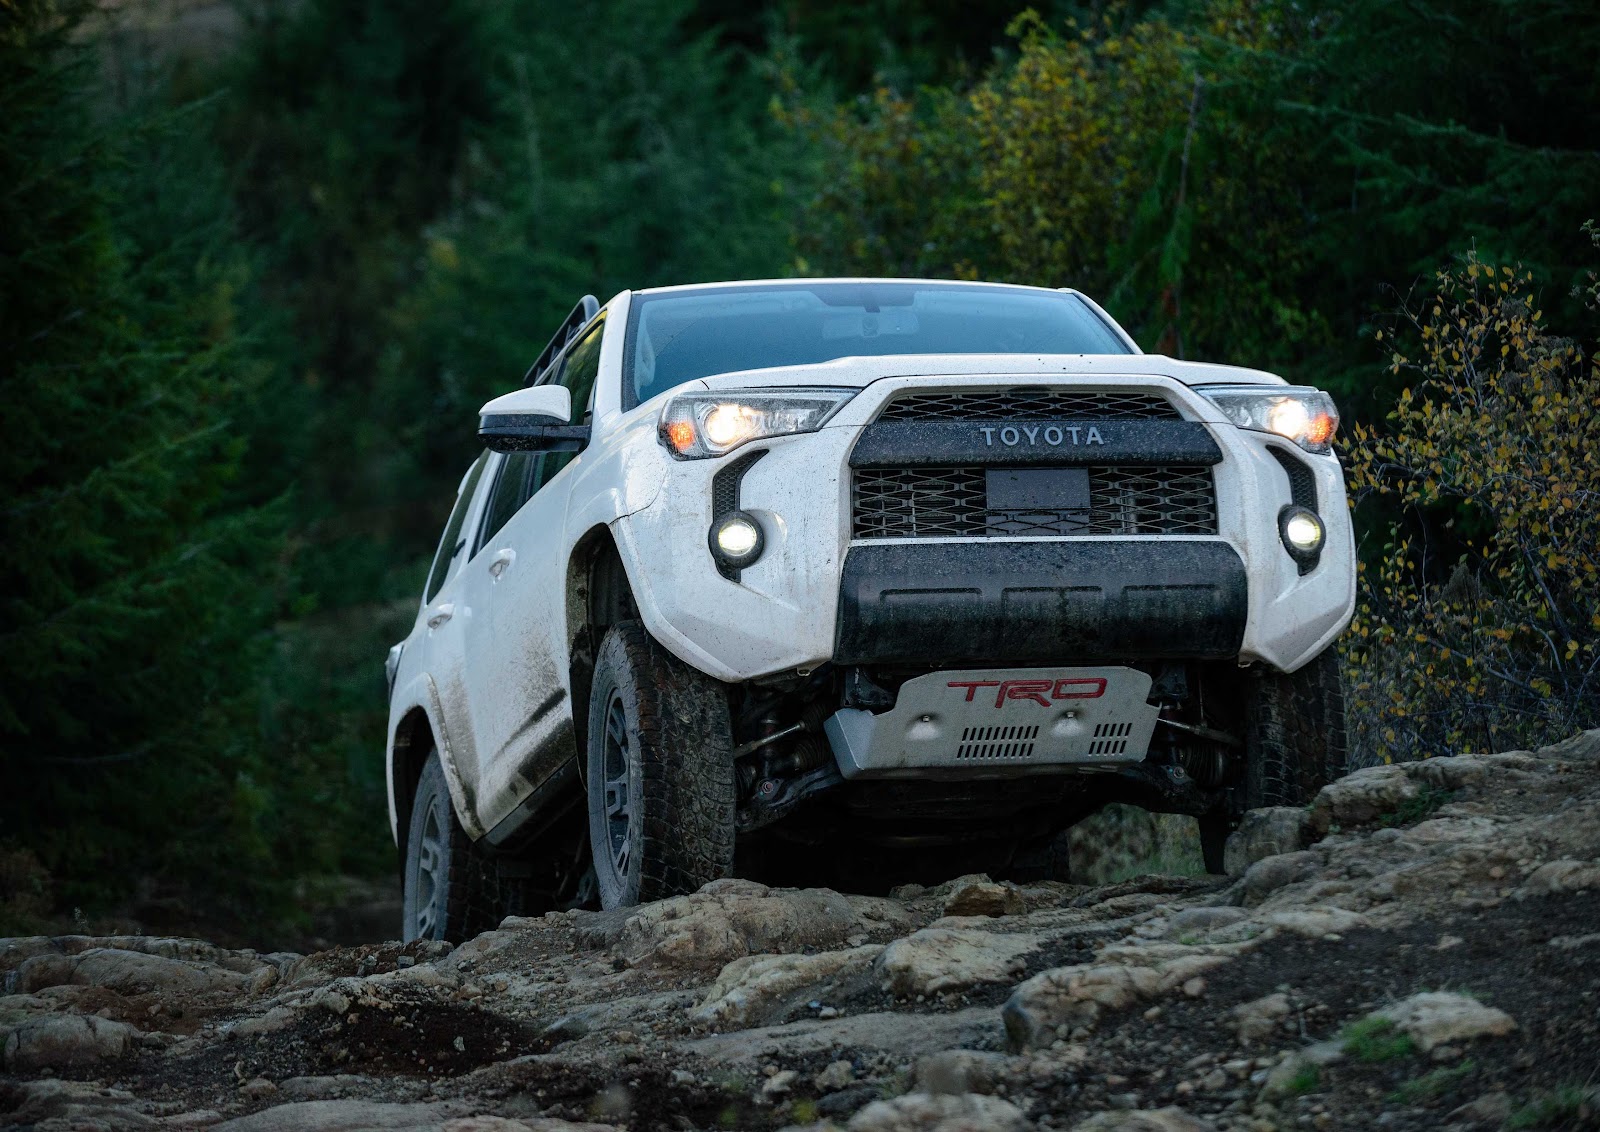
x=659, y=761
x=1294, y=733
x=1294, y=745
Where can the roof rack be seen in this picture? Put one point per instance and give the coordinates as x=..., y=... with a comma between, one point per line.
x=587, y=308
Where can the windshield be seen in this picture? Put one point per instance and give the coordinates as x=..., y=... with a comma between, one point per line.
x=674, y=337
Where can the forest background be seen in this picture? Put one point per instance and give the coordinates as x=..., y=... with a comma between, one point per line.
x=259, y=264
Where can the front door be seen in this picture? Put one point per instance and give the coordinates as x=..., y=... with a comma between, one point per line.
x=518, y=650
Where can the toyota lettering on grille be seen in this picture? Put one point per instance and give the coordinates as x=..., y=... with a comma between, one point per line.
x=1055, y=436
x=1041, y=691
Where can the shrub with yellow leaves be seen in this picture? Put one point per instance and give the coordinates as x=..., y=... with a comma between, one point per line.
x=1499, y=438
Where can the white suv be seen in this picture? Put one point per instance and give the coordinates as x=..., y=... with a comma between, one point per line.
x=852, y=578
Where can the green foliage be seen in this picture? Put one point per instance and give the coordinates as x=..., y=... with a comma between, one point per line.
x=1498, y=434
x=803, y=1111
x=1433, y=1084
x=139, y=574
x=25, y=893
x=1307, y=1080
x=1235, y=180
x=1375, y=1040
x=1420, y=805
x=1553, y=1109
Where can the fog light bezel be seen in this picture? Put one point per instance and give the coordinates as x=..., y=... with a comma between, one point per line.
x=1306, y=557
x=726, y=559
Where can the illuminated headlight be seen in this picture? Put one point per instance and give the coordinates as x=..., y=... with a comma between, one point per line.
x=736, y=539
x=1302, y=532
x=1296, y=412
x=696, y=426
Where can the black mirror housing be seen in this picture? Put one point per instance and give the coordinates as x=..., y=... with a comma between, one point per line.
x=530, y=432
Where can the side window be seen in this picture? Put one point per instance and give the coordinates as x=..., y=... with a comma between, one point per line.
x=578, y=374
x=512, y=486
x=452, y=542
x=581, y=368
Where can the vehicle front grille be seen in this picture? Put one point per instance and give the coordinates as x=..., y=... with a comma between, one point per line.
x=1035, y=403
x=953, y=502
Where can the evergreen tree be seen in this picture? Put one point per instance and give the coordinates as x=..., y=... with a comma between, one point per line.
x=138, y=574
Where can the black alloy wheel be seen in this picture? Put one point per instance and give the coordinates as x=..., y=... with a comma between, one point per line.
x=659, y=772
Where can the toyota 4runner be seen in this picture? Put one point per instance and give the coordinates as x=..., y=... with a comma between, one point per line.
x=859, y=579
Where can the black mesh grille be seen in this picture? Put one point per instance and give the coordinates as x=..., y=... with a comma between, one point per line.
x=725, y=484
x=1302, y=482
x=1038, y=403
x=946, y=502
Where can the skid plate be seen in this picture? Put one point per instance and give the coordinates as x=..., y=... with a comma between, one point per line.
x=1000, y=722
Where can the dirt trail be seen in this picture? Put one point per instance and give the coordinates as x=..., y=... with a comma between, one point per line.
x=1419, y=950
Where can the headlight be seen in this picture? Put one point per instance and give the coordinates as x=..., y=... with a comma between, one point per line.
x=1297, y=412
x=695, y=426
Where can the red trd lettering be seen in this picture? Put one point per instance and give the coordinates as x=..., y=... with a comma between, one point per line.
x=1040, y=692
x=1034, y=690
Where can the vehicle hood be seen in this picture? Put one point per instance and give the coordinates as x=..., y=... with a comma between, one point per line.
x=864, y=371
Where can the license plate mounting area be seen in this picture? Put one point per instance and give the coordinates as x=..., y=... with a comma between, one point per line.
x=1036, y=500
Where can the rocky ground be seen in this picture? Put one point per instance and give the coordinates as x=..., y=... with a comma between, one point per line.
x=1419, y=950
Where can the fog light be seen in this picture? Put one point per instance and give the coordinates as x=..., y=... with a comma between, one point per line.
x=736, y=540
x=1302, y=533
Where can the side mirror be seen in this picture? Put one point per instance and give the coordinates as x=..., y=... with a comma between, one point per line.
x=538, y=419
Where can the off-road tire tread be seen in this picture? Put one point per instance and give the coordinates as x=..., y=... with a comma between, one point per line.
x=685, y=746
x=1295, y=741
x=470, y=905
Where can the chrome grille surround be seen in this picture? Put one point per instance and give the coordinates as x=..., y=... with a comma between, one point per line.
x=952, y=503
x=1040, y=402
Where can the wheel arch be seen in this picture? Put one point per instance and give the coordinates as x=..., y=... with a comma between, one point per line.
x=599, y=594
x=413, y=739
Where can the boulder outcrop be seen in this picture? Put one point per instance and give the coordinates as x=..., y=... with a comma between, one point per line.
x=1417, y=945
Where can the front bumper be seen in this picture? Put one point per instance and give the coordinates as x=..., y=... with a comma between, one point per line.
x=819, y=595
x=997, y=602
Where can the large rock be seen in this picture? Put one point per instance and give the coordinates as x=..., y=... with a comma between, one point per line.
x=1199, y=921
x=960, y=1071
x=728, y=919
x=135, y=972
x=980, y=896
x=1439, y=1017
x=1257, y=1020
x=1269, y=874
x=346, y=1116
x=60, y=1041
x=74, y=1105
x=937, y=960
x=1314, y=923
x=1171, y=1119
x=1070, y=997
x=1560, y=876
x=757, y=989
x=1582, y=747
x=941, y=1112
x=1288, y=1078
x=1361, y=797
x=1266, y=832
